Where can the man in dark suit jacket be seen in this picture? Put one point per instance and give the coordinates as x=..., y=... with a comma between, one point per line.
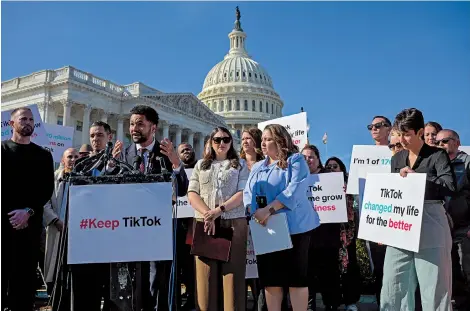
x=156, y=157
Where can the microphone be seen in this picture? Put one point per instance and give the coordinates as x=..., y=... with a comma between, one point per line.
x=149, y=167
x=162, y=165
x=108, y=150
x=136, y=163
x=81, y=163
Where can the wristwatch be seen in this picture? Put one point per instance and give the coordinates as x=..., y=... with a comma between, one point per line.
x=29, y=211
x=272, y=210
x=222, y=208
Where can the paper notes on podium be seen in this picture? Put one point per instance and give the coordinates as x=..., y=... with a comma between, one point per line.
x=273, y=237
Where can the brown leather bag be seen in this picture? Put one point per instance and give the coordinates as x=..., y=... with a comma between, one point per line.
x=212, y=246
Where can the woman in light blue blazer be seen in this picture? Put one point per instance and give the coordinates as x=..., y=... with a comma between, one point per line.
x=281, y=182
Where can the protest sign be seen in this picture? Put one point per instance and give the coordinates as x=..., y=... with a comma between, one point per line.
x=251, y=263
x=465, y=149
x=184, y=209
x=377, y=158
x=295, y=124
x=39, y=136
x=392, y=210
x=60, y=139
x=120, y=223
x=326, y=192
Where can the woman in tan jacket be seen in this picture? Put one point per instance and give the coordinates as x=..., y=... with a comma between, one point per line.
x=51, y=217
x=215, y=190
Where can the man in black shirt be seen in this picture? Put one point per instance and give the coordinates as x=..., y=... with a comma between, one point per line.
x=28, y=182
x=431, y=265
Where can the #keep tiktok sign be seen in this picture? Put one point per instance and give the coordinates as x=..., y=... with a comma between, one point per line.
x=392, y=210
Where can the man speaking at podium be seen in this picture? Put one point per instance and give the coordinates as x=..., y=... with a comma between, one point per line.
x=152, y=157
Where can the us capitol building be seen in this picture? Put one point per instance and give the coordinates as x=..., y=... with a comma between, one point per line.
x=237, y=93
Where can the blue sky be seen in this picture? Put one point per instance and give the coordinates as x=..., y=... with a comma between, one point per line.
x=344, y=62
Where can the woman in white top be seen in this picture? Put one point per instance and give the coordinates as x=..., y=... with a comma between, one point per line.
x=215, y=190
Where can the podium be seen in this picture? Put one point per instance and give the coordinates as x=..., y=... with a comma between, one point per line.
x=99, y=242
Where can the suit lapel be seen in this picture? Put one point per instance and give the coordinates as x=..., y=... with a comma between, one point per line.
x=131, y=153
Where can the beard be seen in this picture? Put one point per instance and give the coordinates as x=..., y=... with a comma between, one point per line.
x=139, y=137
x=26, y=131
x=188, y=159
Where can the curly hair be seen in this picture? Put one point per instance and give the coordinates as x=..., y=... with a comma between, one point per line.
x=255, y=134
x=284, y=144
x=209, y=153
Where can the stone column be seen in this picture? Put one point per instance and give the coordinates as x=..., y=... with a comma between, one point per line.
x=120, y=128
x=178, y=136
x=191, y=138
x=51, y=115
x=42, y=107
x=199, y=146
x=86, y=123
x=104, y=117
x=67, y=108
x=166, y=131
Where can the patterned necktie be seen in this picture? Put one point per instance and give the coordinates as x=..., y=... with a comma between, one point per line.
x=142, y=164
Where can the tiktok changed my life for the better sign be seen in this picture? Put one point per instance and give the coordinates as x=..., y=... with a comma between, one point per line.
x=391, y=211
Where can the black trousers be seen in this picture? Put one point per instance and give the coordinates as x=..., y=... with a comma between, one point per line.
x=20, y=255
x=160, y=272
x=90, y=284
x=377, y=253
x=351, y=280
x=184, y=263
x=324, y=274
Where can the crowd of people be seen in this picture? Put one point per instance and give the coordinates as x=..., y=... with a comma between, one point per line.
x=227, y=187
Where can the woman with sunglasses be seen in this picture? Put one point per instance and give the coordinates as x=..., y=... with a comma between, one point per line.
x=279, y=184
x=395, y=144
x=430, y=132
x=215, y=191
x=349, y=268
x=52, y=210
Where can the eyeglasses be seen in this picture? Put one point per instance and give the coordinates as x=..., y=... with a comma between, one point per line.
x=218, y=140
x=377, y=125
x=393, y=146
x=444, y=141
x=332, y=166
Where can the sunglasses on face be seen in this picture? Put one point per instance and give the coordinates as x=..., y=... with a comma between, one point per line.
x=376, y=125
x=444, y=141
x=218, y=140
x=393, y=146
x=332, y=166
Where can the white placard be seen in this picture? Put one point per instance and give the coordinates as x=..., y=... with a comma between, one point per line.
x=251, y=263
x=326, y=192
x=120, y=223
x=295, y=124
x=60, y=139
x=185, y=210
x=273, y=237
x=39, y=136
x=465, y=149
x=367, y=159
x=392, y=210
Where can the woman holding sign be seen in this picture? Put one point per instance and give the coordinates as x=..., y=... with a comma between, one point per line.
x=278, y=185
x=431, y=266
x=215, y=192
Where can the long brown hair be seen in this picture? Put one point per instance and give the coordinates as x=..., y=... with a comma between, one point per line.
x=284, y=144
x=209, y=153
x=256, y=134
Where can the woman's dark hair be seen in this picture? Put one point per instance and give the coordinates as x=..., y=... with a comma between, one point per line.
x=283, y=141
x=209, y=153
x=317, y=153
x=342, y=167
x=256, y=134
x=435, y=125
x=409, y=119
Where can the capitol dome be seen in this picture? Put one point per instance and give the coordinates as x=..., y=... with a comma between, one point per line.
x=239, y=88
